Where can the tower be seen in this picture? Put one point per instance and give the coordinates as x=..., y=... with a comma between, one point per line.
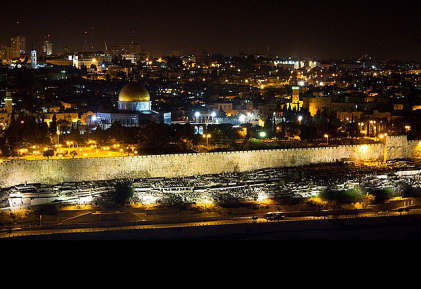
x=47, y=48
x=295, y=94
x=295, y=99
x=33, y=58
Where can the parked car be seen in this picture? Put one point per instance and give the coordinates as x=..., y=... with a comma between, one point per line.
x=272, y=216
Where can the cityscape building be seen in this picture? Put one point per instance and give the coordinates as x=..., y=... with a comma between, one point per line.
x=33, y=58
x=374, y=96
x=134, y=109
x=47, y=48
x=18, y=46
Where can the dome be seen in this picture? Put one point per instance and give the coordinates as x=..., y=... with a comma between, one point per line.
x=134, y=92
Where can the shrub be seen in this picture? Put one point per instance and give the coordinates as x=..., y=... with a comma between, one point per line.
x=123, y=192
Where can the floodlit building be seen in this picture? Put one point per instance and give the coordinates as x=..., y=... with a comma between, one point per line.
x=47, y=48
x=33, y=58
x=295, y=98
x=134, y=109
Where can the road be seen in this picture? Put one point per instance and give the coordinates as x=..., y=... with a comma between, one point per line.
x=31, y=232
x=57, y=231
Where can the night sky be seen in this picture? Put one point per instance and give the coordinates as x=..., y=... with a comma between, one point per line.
x=314, y=29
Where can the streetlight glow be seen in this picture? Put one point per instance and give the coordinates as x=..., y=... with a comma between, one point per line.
x=206, y=136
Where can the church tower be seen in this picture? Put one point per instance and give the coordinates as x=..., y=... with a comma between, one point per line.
x=295, y=99
x=33, y=58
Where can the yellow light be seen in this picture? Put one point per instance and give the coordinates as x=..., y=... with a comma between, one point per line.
x=364, y=148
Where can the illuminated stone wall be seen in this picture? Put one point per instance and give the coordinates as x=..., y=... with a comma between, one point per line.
x=68, y=170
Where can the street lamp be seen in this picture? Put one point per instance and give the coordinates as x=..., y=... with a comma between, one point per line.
x=207, y=136
x=58, y=136
x=197, y=115
x=383, y=137
x=327, y=138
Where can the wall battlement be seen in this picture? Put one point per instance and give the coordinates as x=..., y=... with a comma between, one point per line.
x=180, y=165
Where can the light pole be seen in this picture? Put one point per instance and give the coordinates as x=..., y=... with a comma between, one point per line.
x=58, y=135
x=327, y=138
x=197, y=115
x=207, y=136
x=383, y=137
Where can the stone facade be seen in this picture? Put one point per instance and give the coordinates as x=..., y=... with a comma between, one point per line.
x=179, y=165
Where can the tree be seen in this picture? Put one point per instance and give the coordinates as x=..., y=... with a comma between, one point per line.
x=76, y=137
x=53, y=124
x=123, y=191
x=24, y=130
x=48, y=153
x=353, y=129
x=153, y=139
x=121, y=134
x=353, y=195
x=180, y=132
x=73, y=154
x=308, y=132
x=268, y=127
x=221, y=113
x=99, y=135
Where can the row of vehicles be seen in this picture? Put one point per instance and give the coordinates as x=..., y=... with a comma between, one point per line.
x=271, y=216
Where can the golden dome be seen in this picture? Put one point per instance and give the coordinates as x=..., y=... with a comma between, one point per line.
x=134, y=92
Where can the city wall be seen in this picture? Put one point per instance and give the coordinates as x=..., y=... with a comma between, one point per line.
x=179, y=165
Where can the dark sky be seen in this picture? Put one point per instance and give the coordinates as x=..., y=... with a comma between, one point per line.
x=318, y=29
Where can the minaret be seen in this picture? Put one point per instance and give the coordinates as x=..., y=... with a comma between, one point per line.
x=33, y=57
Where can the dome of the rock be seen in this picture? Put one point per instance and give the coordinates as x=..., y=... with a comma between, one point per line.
x=134, y=92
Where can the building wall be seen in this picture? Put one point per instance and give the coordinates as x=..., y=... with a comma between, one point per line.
x=179, y=165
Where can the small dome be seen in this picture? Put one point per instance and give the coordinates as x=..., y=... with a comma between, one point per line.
x=134, y=92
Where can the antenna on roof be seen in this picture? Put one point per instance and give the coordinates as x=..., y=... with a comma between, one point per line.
x=92, y=47
x=86, y=35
